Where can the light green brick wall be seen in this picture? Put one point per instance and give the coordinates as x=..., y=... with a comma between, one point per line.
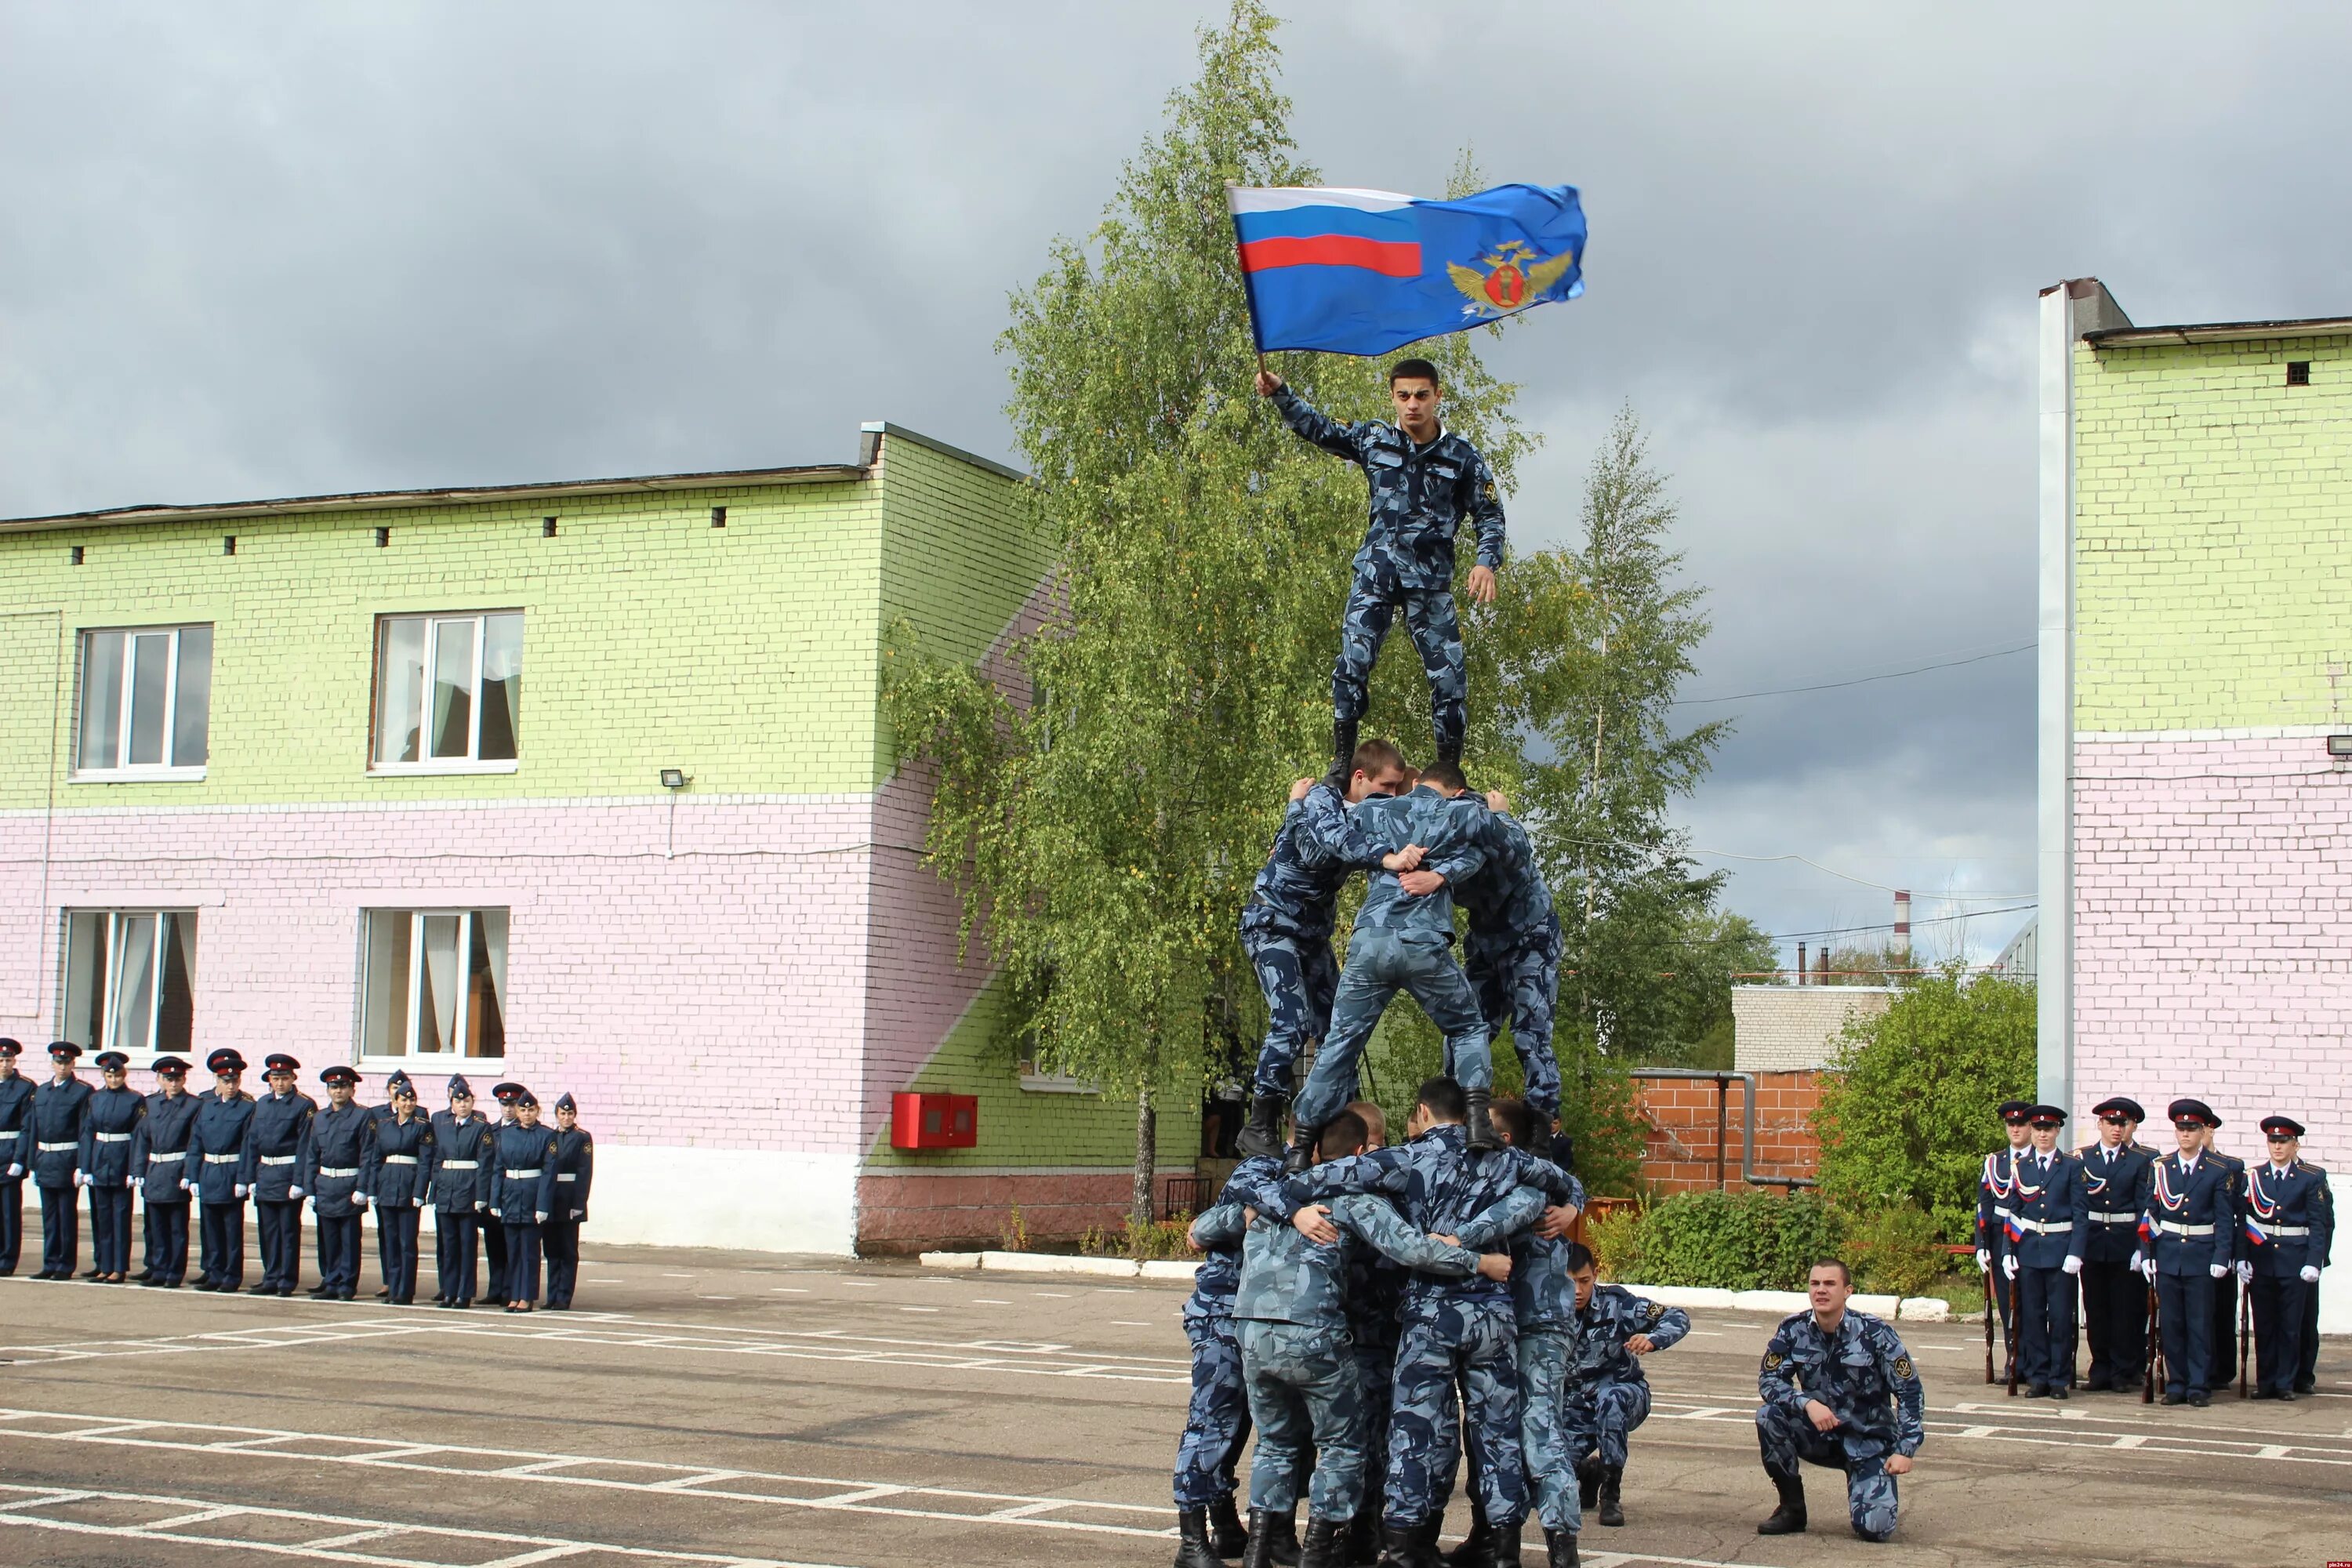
x=745, y=654
x=2212, y=539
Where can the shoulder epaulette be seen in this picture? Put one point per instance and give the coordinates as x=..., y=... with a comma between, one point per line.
x=2307, y=1166
x=2139, y=1147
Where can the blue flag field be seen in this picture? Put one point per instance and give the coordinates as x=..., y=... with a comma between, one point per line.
x=1362, y=272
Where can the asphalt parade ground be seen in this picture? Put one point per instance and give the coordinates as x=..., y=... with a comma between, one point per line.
x=708, y=1407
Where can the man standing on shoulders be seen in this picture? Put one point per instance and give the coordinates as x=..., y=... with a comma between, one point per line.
x=2115, y=1300
x=1512, y=956
x=1839, y=1390
x=16, y=1153
x=2290, y=1220
x=2185, y=1236
x=60, y=1116
x=281, y=1119
x=2051, y=1224
x=108, y=1133
x=461, y=1194
x=159, y=1164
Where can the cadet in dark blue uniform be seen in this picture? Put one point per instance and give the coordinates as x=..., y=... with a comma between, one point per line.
x=2227, y=1284
x=575, y=1172
x=217, y=1160
x=379, y=1115
x=494, y=1232
x=108, y=1133
x=1839, y=1390
x=462, y=1157
x=334, y=1161
x=273, y=1150
x=2114, y=1298
x=2290, y=1221
x=522, y=1195
x=16, y=1153
x=61, y=1115
x=1512, y=956
x=2186, y=1234
x=1286, y=924
x=1216, y=1419
x=1994, y=1209
x=398, y=1179
x=1424, y=483
x=159, y=1166
x=2048, y=1228
x=1404, y=941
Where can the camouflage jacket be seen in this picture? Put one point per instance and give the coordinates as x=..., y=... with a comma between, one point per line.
x=1316, y=850
x=1256, y=1182
x=1603, y=1325
x=1543, y=1297
x=1448, y=831
x=1861, y=1373
x=1440, y=1186
x=1507, y=899
x=1286, y=1278
x=1420, y=495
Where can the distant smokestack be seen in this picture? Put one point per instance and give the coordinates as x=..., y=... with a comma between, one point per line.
x=1800, y=964
x=1822, y=967
x=1901, y=946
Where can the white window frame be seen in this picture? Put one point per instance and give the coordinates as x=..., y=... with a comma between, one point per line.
x=129, y=772
x=428, y=766
x=459, y=1060
x=108, y=1015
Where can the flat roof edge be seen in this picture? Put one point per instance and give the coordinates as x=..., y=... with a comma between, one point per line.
x=884, y=429
x=2222, y=332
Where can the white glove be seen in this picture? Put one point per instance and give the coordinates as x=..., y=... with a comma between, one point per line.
x=2072, y=1266
x=2310, y=1275
x=542, y=1216
x=139, y=1181
x=2245, y=1273
x=80, y=1180
x=359, y=1200
x=1984, y=1260
x=186, y=1185
x=2218, y=1269
x=2009, y=1265
x=294, y=1193
x=15, y=1171
x=2148, y=1267
x=241, y=1190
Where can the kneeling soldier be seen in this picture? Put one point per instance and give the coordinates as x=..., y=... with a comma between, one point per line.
x=1839, y=1389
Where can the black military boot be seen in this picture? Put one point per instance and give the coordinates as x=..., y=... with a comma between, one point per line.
x=1193, y=1549
x=1449, y=751
x=1472, y=1551
x=1226, y=1536
x=1300, y=1159
x=1364, y=1537
x=1611, y=1514
x=1401, y=1546
x=1560, y=1547
x=1481, y=1126
x=1326, y=1543
x=1588, y=1477
x=1263, y=1134
x=1788, y=1518
x=1275, y=1535
x=1343, y=752
x=1502, y=1547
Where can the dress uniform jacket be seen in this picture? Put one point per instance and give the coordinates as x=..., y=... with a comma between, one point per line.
x=522, y=1182
x=217, y=1133
x=399, y=1170
x=2050, y=1209
x=15, y=1126
x=159, y=1148
x=2116, y=1188
x=2190, y=1220
x=274, y=1148
x=333, y=1159
x=108, y=1133
x=462, y=1160
x=575, y=1172
x=59, y=1113
x=2293, y=1215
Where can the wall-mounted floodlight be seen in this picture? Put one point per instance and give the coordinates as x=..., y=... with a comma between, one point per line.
x=2339, y=745
x=674, y=778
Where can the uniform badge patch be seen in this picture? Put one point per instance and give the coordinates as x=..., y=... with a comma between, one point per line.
x=1772, y=1360
x=1903, y=1367
x=1657, y=1311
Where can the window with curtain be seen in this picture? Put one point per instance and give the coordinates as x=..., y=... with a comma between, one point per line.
x=435, y=983
x=448, y=690
x=145, y=701
x=130, y=978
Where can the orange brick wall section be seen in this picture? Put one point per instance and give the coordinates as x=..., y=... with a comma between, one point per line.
x=1680, y=1117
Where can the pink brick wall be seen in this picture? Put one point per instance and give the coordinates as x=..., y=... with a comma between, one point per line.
x=2214, y=932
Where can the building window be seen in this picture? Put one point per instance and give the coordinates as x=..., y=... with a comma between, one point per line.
x=436, y=983
x=449, y=691
x=146, y=702
x=131, y=979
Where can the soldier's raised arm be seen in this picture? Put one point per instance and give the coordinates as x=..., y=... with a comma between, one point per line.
x=1504, y=1218
x=1310, y=423
x=1221, y=1225
x=1377, y=1221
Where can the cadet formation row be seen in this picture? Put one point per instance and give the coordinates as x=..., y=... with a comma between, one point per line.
x=512, y=1189
x=1340, y=1310
x=2175, y=1235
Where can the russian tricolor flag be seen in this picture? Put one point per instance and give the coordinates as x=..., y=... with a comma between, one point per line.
x=1363, y=272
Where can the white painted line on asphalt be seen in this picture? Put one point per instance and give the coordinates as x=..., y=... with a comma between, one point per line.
x=327, y=1543
x=199, y=1517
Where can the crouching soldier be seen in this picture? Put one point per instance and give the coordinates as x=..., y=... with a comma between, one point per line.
x=1839, y=1389
x=1302, y=1380
x=1607, y=1395
x=1217, y=1421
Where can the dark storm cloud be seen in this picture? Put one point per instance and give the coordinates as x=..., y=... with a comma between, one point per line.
x=258, y=251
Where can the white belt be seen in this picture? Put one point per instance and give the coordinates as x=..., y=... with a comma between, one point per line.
x=112, y=1137
x=574, y=1176
x=277, y=1159
x=2112, y=1216
x=154, y=1159
x=56, y=1148
x=522, y=1175
x=2045, y=1226
x=460, y=1164
x=220, y=1159
x=400, y=1159
x=338, y=1170
x=2285, y=1229
x=2002, y=1212
x=2175, y=1228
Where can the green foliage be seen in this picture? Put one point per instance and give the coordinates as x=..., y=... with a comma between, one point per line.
x=1894, y=1251
x=1615, y=1238
x=1734, y=1241
x=1713, y=947
x=1013, y=1236
x=1159, y=1238
x=1907, y=1109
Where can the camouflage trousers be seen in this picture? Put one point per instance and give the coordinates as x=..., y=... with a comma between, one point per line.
x=1305, y=1401
x=1436, y=630
x=1299, y=979
x=1474, y=1340
x=1786, y=1437
x=1217, y=1422
x=1517, y=983
x=1545, y=1436
x=1601, y=1418
x=1379, y=964
x=1376, y=1380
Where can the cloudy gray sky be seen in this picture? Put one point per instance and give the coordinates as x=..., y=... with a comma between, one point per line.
x=255, y=250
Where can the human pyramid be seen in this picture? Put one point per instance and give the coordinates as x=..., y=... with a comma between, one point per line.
x=1350, y=1289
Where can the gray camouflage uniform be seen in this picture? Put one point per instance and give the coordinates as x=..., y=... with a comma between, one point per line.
x=1867, y=1379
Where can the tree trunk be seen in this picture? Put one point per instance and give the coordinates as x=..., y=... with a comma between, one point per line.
x=1147, y=1158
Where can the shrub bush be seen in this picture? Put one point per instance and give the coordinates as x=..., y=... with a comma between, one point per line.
x=1160, y=1239
x=1895, y=1252
x=1734, y=1241
x=1615, y=1238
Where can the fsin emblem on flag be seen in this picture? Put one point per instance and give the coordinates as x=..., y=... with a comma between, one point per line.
x=1513, y=273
